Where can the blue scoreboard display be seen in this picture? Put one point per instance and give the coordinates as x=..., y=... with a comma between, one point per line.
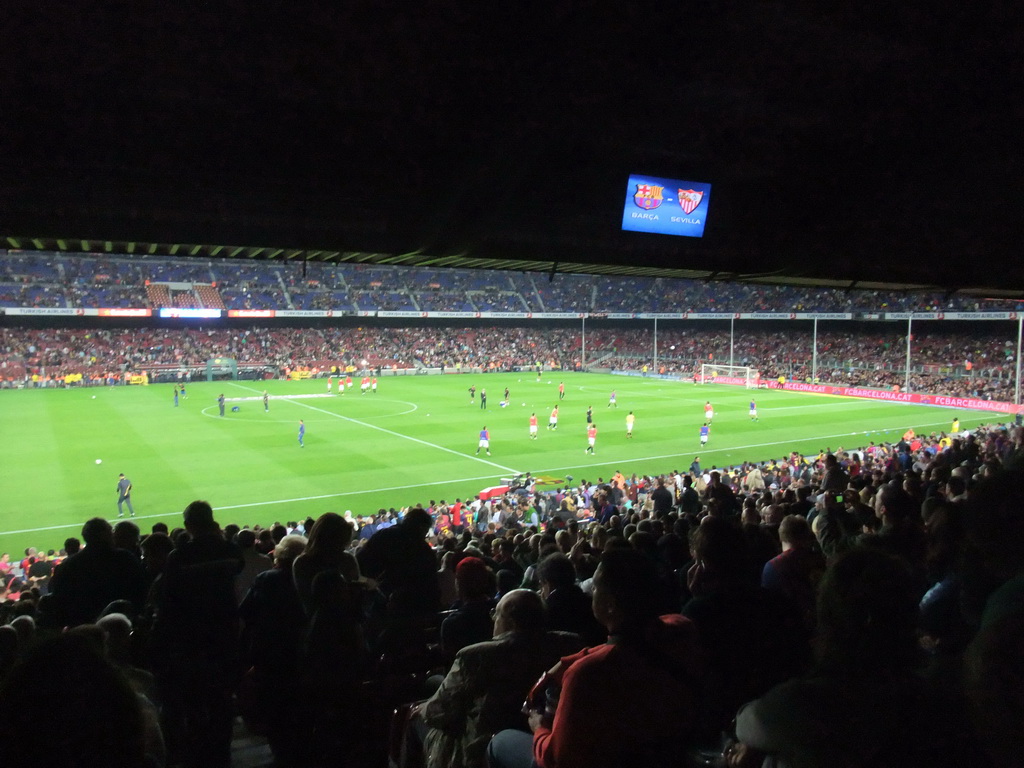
x=666, y=206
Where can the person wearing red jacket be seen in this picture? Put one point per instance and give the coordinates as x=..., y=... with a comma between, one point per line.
x=630, y=701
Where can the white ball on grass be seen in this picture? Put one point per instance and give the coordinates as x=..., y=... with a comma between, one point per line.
x=99, y=461
x=94, y=397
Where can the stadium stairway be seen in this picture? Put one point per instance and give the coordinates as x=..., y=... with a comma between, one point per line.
x=249, y=750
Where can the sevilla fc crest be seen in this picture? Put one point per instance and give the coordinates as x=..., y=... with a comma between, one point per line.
x=648, y=196
x=689, y=199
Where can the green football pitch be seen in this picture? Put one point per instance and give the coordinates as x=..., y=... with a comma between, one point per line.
x=413, y=441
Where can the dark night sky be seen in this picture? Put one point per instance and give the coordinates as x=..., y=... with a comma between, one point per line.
x=841, y=141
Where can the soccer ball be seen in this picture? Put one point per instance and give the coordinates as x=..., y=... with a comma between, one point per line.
x=524, y=405
x=94, y=397
x=99, y=461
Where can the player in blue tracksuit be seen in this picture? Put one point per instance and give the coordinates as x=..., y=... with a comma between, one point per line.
x=302, y=433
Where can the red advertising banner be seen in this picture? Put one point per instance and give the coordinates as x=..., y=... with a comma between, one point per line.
x=734, y=380
x=251, y=313
x=946, y=401
x=124, y=312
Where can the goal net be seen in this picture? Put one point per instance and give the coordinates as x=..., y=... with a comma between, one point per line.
x=739, y=375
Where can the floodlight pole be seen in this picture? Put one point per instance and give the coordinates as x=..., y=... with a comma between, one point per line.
x=583, y=345
x=814, y=353
x=1020, y=328
x=655, y=346
x=910, y=333
x=732, y=337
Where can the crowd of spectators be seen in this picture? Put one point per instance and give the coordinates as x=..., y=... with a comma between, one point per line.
x=981, y=365
x=859, y=607
x=107, y=280
x=54, y=353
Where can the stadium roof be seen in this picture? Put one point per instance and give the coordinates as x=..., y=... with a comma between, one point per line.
x=845, y=144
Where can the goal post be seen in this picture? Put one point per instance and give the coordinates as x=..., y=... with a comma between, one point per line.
x=738, y=375
x=222, y=368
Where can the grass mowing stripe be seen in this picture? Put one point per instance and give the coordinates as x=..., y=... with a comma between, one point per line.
x=249, y=461
x=392, y=433
x=703, y=451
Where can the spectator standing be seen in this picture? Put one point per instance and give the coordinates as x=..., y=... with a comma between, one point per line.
x=85, y=584
x=402, y=561
x=195, y=642
x=662, y=498
x=255, y=562
x=274, y=624
x=863, y=703
x=327, y=550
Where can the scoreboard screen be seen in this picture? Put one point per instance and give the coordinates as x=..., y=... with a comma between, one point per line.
x=666, y=206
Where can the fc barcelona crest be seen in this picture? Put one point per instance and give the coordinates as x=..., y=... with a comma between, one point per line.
x=648, y=196
x=689, y=199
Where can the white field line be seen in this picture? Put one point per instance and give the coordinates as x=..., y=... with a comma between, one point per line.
x=393, y=433
x=270, y=502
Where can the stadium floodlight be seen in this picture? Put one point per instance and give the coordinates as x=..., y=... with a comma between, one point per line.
x=740, y=375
